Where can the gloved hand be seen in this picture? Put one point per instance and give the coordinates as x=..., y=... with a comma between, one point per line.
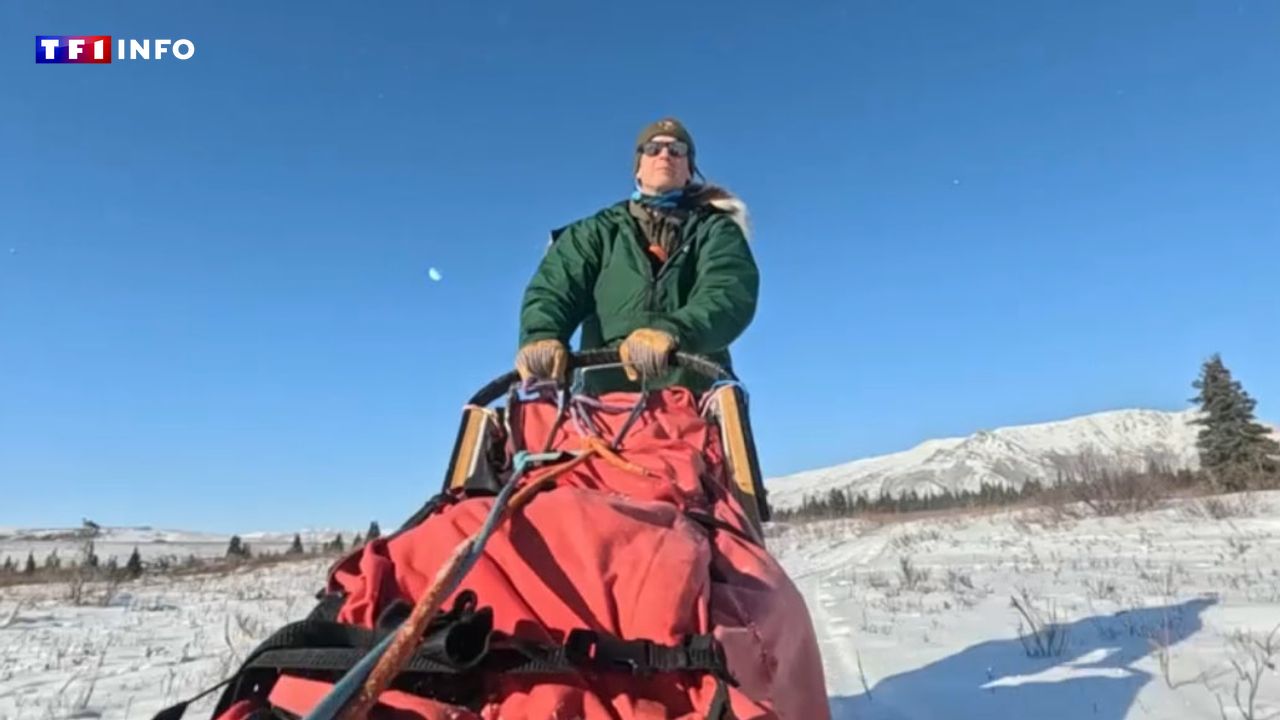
x=542, y=359
x=645, y=353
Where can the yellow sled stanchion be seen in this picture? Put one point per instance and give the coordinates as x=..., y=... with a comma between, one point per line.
x=726, y=407
x=480, y=429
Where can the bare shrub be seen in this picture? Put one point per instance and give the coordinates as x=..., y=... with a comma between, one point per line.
x=110, y=586
x=13, y=615
x=912, y=577
x=958, y=582
x=1224, y=507
x=862, y=675
x=75, y=586
x=1119, y=493
x=878, y=581
x=908, y=539
x=1160, y=640
x=1115, y=486
x=1238, y=546
x=1101, y=590
x=1041, y=631
x=1254, y=657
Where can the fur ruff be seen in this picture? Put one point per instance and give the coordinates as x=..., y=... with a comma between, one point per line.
x=726, y=202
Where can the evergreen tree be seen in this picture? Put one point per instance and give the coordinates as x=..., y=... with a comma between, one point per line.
x=374, y=531
x=357, y=541
x=837, y=501
x=9, y=567
x=296, y=547
x=237, y=548
x=52, y=561
x=30, y=568
x=133, y=568
x=337, y=545
x=1232, y=445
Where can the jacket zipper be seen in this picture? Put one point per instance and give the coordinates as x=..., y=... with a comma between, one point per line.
x=655, y=277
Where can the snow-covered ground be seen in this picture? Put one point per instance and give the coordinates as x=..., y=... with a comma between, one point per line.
x=161, y=640
x=152, y=544
x=915, y=620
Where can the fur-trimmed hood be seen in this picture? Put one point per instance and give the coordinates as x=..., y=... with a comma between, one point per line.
x=724, y=201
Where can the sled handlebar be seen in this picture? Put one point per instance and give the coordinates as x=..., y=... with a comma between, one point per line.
x=596, y=358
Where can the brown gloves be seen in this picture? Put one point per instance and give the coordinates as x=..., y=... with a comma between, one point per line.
x=645, y=353
x=542, y=359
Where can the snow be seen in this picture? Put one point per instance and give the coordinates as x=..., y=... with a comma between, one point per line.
x=947, y=646
x=152, y=544
x=935, y=637
x=159, y=641
x=1007, y=456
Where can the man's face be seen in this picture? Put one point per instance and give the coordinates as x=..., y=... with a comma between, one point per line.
x=664, y=171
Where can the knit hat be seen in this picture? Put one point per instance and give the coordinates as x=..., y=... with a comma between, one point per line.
x=666, y=126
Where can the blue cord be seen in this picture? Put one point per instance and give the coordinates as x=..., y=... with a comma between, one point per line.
x=332, y=705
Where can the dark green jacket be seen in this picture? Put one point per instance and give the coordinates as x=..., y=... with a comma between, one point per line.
x=597, y=274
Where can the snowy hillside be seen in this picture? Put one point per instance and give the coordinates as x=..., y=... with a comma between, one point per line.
x=1161, y=613
x=1008, y=456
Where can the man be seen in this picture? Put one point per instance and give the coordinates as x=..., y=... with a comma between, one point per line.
x=668, y=269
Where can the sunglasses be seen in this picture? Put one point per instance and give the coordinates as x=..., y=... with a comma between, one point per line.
x=676, y=148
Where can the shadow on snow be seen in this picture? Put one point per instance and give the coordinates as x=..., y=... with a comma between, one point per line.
x=1093, y=678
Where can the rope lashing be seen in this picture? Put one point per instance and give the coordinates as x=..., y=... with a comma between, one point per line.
x=357, y=692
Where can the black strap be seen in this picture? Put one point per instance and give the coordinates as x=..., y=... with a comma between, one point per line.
x=602, y=651
x=446, y=647
x=713, y=524
x=457, y=648
x=720, y=709
x=584, y=650
x=176, y=711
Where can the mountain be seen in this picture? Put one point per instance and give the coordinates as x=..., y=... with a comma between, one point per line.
x=1008, y=456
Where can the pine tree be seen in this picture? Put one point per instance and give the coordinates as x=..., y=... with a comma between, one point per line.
x=9, y=567
x=296, y=547
x=1232, y=445
x=237, y=548
x=30, y=568
x=52, y=561
x=374, y=532
x=133, y=568
x=357, y=541
x=337, y=545
x=837, y=501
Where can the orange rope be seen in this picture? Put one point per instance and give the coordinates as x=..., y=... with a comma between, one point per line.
x=410, y=633
x=600, y=447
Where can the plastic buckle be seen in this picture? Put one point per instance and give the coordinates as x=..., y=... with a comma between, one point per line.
x=635, y=656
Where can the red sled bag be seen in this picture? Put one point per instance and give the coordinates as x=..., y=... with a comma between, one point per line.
x=632, y=583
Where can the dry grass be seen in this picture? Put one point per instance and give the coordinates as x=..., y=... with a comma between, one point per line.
x=1040, y=630
x=79, y=580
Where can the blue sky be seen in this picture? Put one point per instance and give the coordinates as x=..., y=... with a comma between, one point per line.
x=214, y=304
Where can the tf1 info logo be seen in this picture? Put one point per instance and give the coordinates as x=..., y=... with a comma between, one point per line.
x=96, y=49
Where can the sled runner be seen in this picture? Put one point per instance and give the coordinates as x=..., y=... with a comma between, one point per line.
x=586, y=558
